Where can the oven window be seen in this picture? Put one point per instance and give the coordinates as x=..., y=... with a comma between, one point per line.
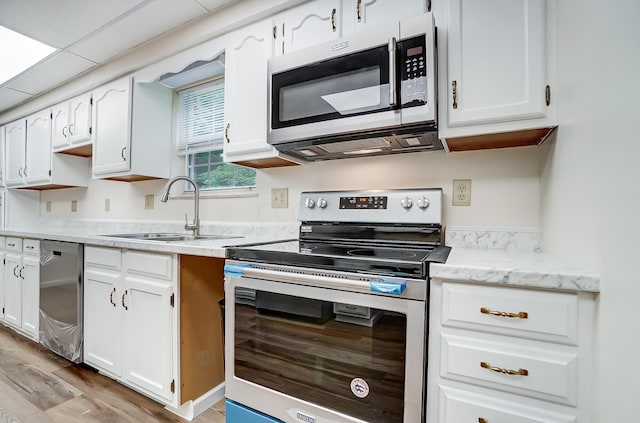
x=350, y=85
x=341, y=356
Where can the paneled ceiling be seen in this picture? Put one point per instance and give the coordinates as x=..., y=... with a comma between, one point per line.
x=87, y=34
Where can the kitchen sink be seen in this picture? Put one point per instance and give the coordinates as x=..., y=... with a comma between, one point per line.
x=166, y=237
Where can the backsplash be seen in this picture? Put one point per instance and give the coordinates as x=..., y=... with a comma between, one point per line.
x=516, y=239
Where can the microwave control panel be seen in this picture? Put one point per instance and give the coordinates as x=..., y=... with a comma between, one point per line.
x=413, y=71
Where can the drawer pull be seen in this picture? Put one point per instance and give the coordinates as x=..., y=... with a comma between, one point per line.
x=519, y=315
x=519, y=372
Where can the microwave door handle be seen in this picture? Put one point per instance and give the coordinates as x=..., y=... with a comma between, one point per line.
x=392, y=72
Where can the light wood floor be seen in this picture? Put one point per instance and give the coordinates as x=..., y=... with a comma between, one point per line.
x=37, y=386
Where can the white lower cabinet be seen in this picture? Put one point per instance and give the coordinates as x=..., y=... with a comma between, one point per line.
x=22, y=286
x=509, y=355
x=2, y=265
x=130, y=319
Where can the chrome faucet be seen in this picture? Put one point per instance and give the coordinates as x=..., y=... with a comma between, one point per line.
x=195, y=226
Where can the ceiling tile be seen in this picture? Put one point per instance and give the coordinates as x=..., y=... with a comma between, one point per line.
x=61, y=22
x=10, y=98
x=145, y=23
x=52, y=71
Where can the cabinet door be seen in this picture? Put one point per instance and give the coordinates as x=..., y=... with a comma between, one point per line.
x=80, y=119
x=38, y=148
x=2, y=277
x=30, y=275
x=60, y=125
x=370, y=13
x=15, y=133
x=496, y=61
x=112, y=127
x=103, y=320
x=148, y=326
x=310, y=23
x=246, y=90
x=13, y=290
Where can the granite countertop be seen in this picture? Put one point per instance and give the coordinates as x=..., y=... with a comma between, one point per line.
x=495, y=257
x=514, y=268
x=92, y=233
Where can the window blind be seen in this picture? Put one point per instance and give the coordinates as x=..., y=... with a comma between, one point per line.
x=201, y=117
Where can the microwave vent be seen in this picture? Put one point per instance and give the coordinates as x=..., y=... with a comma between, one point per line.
x=355, y=145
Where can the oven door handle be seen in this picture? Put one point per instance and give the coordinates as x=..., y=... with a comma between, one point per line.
x=377, y=285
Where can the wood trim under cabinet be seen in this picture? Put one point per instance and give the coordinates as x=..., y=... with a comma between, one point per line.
x=201, y=325
x=522, y=138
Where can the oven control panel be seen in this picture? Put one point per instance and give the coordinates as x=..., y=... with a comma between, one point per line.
x=394, y=206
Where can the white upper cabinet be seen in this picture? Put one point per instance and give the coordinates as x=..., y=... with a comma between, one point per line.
x=364, y=14
x=131, y=130
x=15, y=134
x=112, y=123
x=71, y=124
x=495, y=72
x=38, y=148
x=318, y=21
x=246, y=98
x=308, y=24
x=30, y=162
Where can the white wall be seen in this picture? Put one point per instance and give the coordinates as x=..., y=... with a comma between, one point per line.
x=505, y=189
x=590, y=184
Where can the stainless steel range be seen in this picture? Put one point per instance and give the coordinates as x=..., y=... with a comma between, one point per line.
x=331, y=327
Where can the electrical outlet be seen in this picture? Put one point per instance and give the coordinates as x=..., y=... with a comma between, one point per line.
x=74, y=206
x=279, y=198
x=48, y=206
x=107, y=204
x=462, y=192
x=148, y=202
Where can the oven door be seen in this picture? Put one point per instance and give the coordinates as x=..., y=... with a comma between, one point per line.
x=304, y=353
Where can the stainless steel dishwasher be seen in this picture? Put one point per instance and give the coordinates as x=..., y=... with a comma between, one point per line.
x=61, y=298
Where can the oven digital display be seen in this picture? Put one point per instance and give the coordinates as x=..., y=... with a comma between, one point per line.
x=364, y=202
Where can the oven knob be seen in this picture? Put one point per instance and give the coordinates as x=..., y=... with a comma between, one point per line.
x=322, y=203
x=423, y=202
x=309, y=203
x=406, y=202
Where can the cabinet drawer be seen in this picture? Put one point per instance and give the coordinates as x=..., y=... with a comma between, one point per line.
x=540, y=371
x=14, y=244
x=543, y=315
x=463, y=406
x=352, y=310
x=31, y=247
x=149, y=264
x=104, y=258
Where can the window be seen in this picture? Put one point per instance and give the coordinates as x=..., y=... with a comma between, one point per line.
x=200, y=135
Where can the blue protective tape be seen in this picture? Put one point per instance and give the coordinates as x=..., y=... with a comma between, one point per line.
x=385, y=286
x=235, y=270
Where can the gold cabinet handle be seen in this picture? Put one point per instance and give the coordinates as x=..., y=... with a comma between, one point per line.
x=111, y=297
x=333, y=20
x=454, y=89
x=358, y=11
x=122, y=299
x=226, y=133
x=519, y=372
x=519, y=315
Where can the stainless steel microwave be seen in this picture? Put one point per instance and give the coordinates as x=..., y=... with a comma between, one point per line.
x=373, y=92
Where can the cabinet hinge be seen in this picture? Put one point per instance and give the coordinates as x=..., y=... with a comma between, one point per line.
x=173, y=386
x=172, y=300
x=547, y=95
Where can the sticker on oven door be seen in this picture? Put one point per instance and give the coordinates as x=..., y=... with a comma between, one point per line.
x=359, y=387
